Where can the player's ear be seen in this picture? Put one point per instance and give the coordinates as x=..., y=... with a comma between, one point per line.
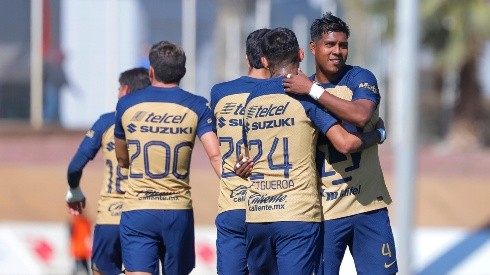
x=301, y=54
x=151, y=73
x=264, y=61
x=248, y=63
x=125, y=90
x=312, y=47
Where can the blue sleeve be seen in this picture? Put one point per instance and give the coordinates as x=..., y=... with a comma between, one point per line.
x=322, y=119
x=118, y=127
x=75, y=169
x=213, y=102
x=88, y=149
x=365, y=86
x=205, y=118
x=214, y=97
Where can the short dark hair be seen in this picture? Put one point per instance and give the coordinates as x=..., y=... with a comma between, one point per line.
x=328, y=23
x=168, y=62
x=280, y=47
x=136, y=79
x=254, y=51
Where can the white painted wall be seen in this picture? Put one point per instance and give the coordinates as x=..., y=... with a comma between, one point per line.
x=100, y=39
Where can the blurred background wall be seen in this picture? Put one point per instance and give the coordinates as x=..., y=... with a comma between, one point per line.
x=99, y=39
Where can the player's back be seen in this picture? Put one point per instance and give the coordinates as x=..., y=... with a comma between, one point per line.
x=115, y=177
x=281, y=138
x=228, y=105
x=160, y=126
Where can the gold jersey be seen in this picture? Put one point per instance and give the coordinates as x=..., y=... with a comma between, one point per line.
x=160, y=126
x=228, y=105
x=280, y=134
x=352, y=183
x=115, y=178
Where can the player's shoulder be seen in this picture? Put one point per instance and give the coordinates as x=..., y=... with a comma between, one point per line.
x=225, y=84
x=358, y=72
x=307, y=102
x=191, y=97
x=235, y=86
x=106, y=120
x=268, y=86
x=109, y=115
x=190, y=100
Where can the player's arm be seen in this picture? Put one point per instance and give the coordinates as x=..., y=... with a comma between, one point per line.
x=211, y=145
x=75, y=199
x=122, y=153
x=121, y=146
x=87, y=150
x=357, y=112
x=346, y=142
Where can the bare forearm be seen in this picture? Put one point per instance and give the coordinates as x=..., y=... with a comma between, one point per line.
x=211, y=146
x=357, y=112
x=216, y=164
x=122, y=153
x=346, y=142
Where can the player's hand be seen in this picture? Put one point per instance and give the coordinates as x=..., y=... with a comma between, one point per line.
x=380, y=127
x=298, y=84
x=243, y=167
x=75, y=201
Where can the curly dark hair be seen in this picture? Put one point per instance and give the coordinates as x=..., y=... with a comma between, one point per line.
x=280, y=47
x=328, y=23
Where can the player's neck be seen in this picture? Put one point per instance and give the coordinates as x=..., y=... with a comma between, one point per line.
x=259, y=73
x=164, y=85
x=289, y=69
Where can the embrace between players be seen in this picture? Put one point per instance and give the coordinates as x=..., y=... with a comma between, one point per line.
x=310, y=184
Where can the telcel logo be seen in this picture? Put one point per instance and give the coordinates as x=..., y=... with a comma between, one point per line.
x=265, y=111
x=233, y=108
x=165, y=118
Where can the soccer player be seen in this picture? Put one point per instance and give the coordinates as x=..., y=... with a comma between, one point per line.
x=283, y=211
x=355, y=196
x=228, y=105
x=106, y=256
x=154, y=134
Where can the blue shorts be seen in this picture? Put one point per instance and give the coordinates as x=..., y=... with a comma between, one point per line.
x=106, y=250
x=150, y=235
x=231, y=244
x=283, y=247
x=369, y=238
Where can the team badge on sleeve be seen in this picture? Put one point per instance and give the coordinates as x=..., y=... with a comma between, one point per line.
x=90, y=133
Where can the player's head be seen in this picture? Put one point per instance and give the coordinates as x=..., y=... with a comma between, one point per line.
x=253, y=48
x=328, y=23
x=167, y=62
x=133, y=80
x=329, y=45
x=281, y=50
